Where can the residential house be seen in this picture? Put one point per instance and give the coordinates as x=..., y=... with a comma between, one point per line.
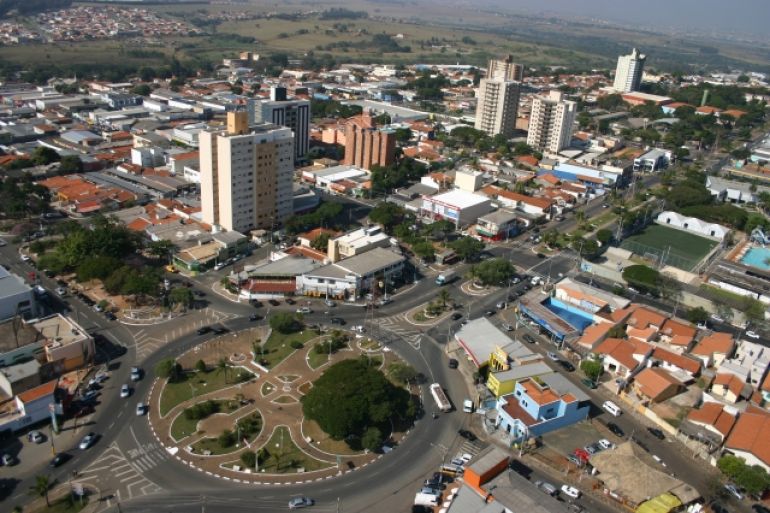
x=677, y=335
x=530, y=205
x=749, y=436
x=498, y=225
x=655, y=385
x=622, y=357
x=750, y=362
x=730, y=387
x=644, y=323
x=593, y=335
x=587, y=298
x=684, y=367
x=711, y=422
x=535, y=408
x=30, y=407
x=503, y=382
x=714, y=348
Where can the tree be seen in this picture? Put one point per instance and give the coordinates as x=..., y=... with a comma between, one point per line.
x=43, y=155
x=70, y=164
x=443, y=297
x=321, y=243
x=402, y=372
x=223, y=367
x=249, y=459
x=141, y=90
x=592, y=369
x=642, y=277
x=284, y=322
x=387, y=214
x=754, y=479
x=226, y=439
x=98, y=267
x=200, y=366
x=169, y=369
x=160, y=248
x=697, y=315
x=351, y=396
x=181, y=296
x=467, y=248
x=753, y=310
x=41, y=487
x=495, y=271
x=604, y=236
x=372, y=439
x=424, y=250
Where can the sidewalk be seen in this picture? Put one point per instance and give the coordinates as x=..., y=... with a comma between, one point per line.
x=59, y=492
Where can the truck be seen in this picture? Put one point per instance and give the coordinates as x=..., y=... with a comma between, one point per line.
x=468, y=406
x=446, y=277
x=440, y=397
x=424, y=499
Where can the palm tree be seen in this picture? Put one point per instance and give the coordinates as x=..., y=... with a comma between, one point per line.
x=580, y=216
x=222, y=367
x=443, y=297
x=41, y=487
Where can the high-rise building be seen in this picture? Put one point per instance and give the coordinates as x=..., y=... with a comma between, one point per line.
x=282, y=111
x=505, y=69
x=551, y=122
x=497, y=106
x=366, y=145
x=246, y=174
x=628, y=74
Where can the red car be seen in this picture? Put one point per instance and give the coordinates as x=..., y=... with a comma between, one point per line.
x=582, y=454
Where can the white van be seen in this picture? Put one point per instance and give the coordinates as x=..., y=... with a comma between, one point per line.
x=612, y=408
x=423, y=499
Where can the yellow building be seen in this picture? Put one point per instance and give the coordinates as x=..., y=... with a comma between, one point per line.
x=503, y=382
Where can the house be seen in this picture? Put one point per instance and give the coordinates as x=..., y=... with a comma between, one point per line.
x=498, y=225
x=714, y=348
x=588, y=298
x=16, y=296
x=656, y=385
x=730, y=387
x=531, y=205
x=677, y=334
x=750, y=362
x=684, y=367
x=306, y=239
x=18, y=378
x=503, y=382
x=594, y=335
x=622, y=357
x=357, y=242
x=749, y=436
x=535, y=408
x=734, y=191
x=693, y=225
x=711, y=422
x=644, y=323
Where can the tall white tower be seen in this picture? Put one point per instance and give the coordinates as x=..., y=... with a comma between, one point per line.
x=628, y=74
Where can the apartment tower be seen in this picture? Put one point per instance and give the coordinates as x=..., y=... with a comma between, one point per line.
x=282, y=111
x=246, y=174
x=628, y=74
x=497, y=106
x=366, y=145
x=551, y=122
x=505, y=69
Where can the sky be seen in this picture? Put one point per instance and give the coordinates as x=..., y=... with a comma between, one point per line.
x=725, y=16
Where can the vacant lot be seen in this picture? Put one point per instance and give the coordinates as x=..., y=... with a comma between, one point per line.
x=679, y=248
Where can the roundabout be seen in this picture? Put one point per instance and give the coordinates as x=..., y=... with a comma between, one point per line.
x=230, y=417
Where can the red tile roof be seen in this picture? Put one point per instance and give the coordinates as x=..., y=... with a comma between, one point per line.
x=642, y=317
x=38, y=392
x=731, y=382
x=495, y=192
x=717, y=342
x=750, y=434
x=654, y=381
x=691, y=365
x=513, y=409
x=713, y=414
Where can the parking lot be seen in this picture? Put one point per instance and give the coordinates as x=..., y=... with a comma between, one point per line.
x=566, y=440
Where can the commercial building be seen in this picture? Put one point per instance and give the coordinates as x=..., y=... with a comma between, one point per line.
x=551, y=122
x=498, y=225
x=628, y=74
x=460, y=207
x=16, y=297
x=498, y=106
x=282, y=111
x=357, y=242
x=66, y=343
x=653, y=160
x=29, y=407
x=246, y=175
x=366, y=145
x=505, y=69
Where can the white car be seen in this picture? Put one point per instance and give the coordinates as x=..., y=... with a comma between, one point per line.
x=25, y=258
x=330, y=303
x=304, y=310
x=716, y=318
x=605, y=444
x=125, y=391
x=553, y=356
x=752, y=334
x=87, y=441
x=141, y=409
x=571, y=491
x=35, y=437
x=61, y=291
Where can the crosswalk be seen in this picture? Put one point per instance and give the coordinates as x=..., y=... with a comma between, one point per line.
x=147, y=342
x=121, y=476
x=397, y=326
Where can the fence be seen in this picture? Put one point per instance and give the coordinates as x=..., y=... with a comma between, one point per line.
x=660, y=256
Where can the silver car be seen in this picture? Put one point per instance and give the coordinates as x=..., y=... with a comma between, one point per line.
x=300, y=502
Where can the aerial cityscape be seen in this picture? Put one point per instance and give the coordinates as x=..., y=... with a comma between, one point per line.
x=384, y=257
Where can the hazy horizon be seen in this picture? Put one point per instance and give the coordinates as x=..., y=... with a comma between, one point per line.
x=749, y=16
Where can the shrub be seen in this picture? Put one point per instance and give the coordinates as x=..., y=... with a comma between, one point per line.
x=249, y=459
x=226, y=439
x=201, y=410
x=169, y=369
x=296, y=344
x=200, y=366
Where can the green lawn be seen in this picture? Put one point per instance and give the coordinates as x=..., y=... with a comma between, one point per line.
x=285, y=457
x=315, y=359
x=183, y=427
x=197, y=383
x=682, y=249
x=277, y=347
x=249, y=430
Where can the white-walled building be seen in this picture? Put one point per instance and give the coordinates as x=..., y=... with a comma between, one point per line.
x=497, y=106
x=282, y=111
x=551, y=122
x=16, y=297
x=693, y=225
x=628, y=74
x=458, y=206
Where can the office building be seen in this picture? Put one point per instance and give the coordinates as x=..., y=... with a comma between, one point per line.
x=628, y=74
x=246, y=174
x=282, y=111
x=551, y=122
x=366, y=145
x=505, y=69
x=497, y=107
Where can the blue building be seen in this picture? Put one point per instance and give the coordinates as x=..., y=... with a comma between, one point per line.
x=541, y=405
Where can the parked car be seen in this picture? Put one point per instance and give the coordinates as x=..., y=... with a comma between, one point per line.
x=506, y=326
x=592, y=449
x=734, y=491
x=567, y=365
x=125, y=391
x=87, y=441
x=273, y=302
x=467, y=435
x=219, y=330
x=330, y=303
x=35, y=437
x=574, y=459
x=553, y=356
x=203, y=330
x=615, y=429
x=110, y=316
x=570, y=491
x=758, y=508
x=588, y=383
x=290, y=301
x=456, y=316
x=8, y=460
x=520, y=468
x=529, y=339
x=716, y=318
x=300, y=502
x=338, y=320
x=752, y=334
x=304, y=310
x=89, y=396
x=500, y=305
x=255, y=317
x=582, y=454
x=605, y=444
x=489, y=313
x=657, y=433
x=453, y=363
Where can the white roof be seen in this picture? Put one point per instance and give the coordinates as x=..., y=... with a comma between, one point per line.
x=460, y=199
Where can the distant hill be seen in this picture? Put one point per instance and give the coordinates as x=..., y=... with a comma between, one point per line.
x=24, y=7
